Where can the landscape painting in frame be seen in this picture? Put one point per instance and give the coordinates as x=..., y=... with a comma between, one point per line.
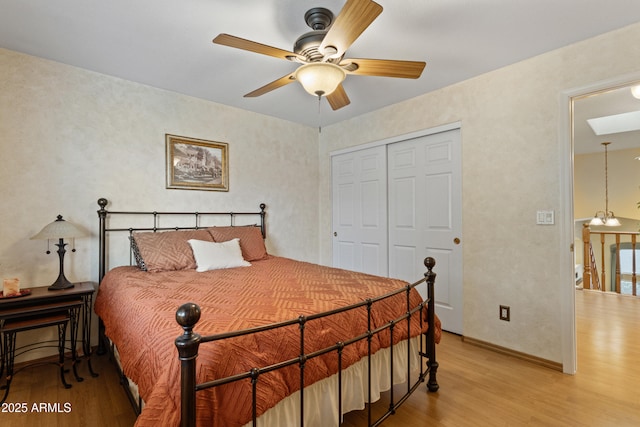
x=196, y=164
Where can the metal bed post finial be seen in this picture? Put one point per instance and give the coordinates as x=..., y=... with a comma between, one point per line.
x=103, y=203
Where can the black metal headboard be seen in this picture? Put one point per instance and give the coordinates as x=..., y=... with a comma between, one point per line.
x=198, y=221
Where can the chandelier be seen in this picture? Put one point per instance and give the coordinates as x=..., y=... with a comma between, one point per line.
x=605, y=217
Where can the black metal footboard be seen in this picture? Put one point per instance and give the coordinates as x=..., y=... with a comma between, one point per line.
x=188, y=344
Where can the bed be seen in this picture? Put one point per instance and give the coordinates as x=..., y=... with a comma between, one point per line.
x=213, y=330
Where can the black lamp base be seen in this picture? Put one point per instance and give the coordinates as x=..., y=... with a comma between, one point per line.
x=61, y=282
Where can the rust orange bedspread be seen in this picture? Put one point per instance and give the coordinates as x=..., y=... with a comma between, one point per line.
x=138, y=310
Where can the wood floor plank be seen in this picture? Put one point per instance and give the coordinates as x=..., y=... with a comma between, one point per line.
x=478, y=387
x=98, y=402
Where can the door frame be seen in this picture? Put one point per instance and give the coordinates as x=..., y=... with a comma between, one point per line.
x=567, y=273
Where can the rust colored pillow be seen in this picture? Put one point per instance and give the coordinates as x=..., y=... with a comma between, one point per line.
x=168, y=250
x=251, y=240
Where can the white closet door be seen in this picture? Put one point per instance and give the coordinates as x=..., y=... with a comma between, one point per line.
x=359, y=192
x=425, y=207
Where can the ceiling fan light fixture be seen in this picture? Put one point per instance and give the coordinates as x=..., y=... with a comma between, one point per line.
x=320, y=78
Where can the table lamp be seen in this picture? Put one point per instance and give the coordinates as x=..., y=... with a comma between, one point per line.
x=60, y=229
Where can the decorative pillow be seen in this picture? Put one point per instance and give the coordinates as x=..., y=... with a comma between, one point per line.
x=214, y=256
x=251, y=240
x=168, y=250
x=136, y=254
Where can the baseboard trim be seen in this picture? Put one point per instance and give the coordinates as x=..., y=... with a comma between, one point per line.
x=513, y=353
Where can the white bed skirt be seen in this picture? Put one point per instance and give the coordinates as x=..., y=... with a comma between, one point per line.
x=321, y=398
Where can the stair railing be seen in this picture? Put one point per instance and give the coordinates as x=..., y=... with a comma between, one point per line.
x=591, y=278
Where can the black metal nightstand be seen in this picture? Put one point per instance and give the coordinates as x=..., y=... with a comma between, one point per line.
x=68, y=308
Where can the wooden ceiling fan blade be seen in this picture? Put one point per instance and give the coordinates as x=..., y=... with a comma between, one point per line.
x=282, y=81
x=338, y=98
x=384, y=67
x=240, y=43
x=353, y=19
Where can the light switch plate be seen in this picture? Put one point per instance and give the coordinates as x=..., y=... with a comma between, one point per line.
x=545, y=218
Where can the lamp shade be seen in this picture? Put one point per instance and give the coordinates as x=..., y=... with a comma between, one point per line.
x=612, y=222
x=320, y=78
x=59, y=229
x=596, y=220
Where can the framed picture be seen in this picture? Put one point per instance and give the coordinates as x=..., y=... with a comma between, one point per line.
x=196, y=164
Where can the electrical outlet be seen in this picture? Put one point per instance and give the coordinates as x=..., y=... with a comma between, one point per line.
x=505, y=313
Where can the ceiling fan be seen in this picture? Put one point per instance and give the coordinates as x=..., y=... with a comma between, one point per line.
x=321, y=53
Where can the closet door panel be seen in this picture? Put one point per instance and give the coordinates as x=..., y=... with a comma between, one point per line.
x=425, y=217
x=360, y=213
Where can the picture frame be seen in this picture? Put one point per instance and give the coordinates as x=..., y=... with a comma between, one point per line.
x=197, y=164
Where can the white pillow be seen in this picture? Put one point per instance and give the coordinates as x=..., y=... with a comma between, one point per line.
x=214, y=256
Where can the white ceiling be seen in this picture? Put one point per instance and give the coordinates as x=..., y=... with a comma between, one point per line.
x=167, y=43
x=602, y=104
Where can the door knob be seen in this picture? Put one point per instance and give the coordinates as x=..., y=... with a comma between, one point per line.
x=335, y=234
x=456, y=240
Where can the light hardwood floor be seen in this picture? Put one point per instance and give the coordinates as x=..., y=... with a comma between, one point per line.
x=478, y=387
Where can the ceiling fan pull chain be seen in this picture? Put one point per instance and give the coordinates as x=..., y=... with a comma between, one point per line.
x=319, y=114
